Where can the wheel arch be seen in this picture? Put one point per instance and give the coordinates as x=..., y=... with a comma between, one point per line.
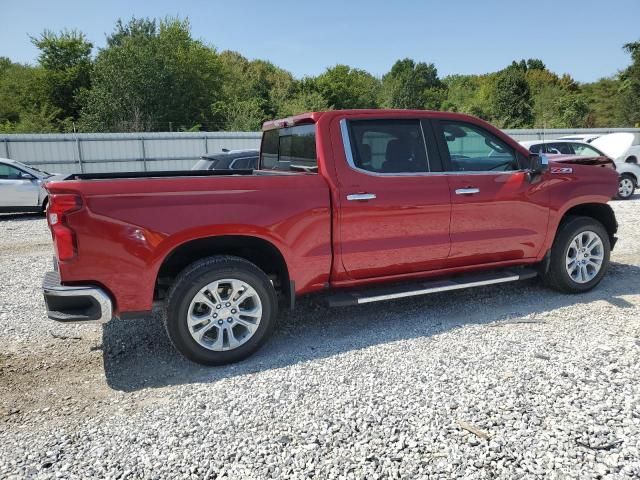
x=262, y=253
x=633, y=176
x=598, y=211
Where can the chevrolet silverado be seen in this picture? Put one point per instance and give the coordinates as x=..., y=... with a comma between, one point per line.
x=367, y=205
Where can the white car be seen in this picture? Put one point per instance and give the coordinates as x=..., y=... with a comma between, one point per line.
x=626, y=164
x=563, y=147
x=624, y=149
x=22, y=187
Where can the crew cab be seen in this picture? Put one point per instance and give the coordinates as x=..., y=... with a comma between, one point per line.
x=364, y=205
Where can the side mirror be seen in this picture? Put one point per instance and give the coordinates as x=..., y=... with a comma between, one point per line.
x=539, y=163
x=26, y=176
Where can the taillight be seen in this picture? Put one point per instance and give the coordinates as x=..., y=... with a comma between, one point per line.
x=64, y=239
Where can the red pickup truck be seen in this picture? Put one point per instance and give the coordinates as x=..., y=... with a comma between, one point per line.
x=368, y=205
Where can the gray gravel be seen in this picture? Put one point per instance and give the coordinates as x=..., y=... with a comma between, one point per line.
x=513, y=381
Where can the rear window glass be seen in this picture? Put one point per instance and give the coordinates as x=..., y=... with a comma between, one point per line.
x=290, y=149
x=244, y=163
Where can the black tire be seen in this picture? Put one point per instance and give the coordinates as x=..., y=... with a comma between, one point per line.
x=45, y=204
x=557, y=276
x=200, y=274
x=626, y=177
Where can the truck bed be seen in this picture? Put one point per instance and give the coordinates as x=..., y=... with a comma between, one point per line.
x=157, y=174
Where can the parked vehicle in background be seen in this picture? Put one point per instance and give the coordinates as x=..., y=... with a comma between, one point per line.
x=562, y=147
x=585, y=137
x=624, y=148
x=365, y=205
x=22, y=187
x=608, y=146
x=231, y=160
x=621, y=146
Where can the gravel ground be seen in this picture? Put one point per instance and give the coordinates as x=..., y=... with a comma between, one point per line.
x=512, y=381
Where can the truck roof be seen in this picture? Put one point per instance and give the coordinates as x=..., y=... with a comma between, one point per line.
x=313, y=117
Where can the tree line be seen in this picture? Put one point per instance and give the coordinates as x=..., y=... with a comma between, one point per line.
x=152, y=75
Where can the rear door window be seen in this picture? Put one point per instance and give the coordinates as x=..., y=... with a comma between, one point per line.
x=290, y=149
x=388, y=146
x=561, y=148
x=244, y=163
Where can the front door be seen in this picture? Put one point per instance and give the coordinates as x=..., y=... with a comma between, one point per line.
x=497, y=213
x=393, y=213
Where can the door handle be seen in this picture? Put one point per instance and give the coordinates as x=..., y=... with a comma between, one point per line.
x=361, y=196
x=467, y=191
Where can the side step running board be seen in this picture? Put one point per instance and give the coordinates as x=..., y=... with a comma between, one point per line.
x=379, y=294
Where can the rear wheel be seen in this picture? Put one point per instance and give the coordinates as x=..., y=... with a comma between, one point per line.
x=626, y=186
x=220, y=310
x=579, y=256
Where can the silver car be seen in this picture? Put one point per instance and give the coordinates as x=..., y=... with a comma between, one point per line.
x=22, y=187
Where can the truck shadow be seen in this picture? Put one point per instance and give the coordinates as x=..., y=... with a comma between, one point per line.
x=21, y=216
x=137, y=353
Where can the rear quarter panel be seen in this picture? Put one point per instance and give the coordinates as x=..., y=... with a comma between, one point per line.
x=127, y=228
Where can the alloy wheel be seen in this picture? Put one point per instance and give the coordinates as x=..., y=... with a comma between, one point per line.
x=224, y=315
x=585, y=257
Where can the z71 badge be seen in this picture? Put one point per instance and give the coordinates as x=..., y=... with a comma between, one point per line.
x=562, y=170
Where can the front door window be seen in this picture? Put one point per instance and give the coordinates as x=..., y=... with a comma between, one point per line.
x=472, y=149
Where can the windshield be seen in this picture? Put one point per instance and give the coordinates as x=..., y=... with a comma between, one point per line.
x=587, y=150
x=205, y=164
x=30, y=169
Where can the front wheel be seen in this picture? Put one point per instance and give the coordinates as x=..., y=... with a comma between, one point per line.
x=626, y=186
x=579, y=256
x=220, y=310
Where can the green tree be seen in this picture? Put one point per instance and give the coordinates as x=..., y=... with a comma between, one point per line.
x=149, y=78
x=135, y=27
x=239, y=115
x=512, y=99
x=412, y=85
x=66, y=60
x=535, y=64
x=344, y=87
x=255, y=85
x=43, y=120
x=573, y=112
x=303, y=101
x=5, y=64
x=605, y=101
x=463, y=94
x=23, y=98
x=630, y=86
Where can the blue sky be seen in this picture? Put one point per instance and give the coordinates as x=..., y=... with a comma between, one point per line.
x=583, y=38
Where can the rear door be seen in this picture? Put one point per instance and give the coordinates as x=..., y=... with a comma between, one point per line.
x=16, y=191
x=393, y=213
x=497, y=213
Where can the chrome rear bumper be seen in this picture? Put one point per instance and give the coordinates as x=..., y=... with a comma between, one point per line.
x=77, y=303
